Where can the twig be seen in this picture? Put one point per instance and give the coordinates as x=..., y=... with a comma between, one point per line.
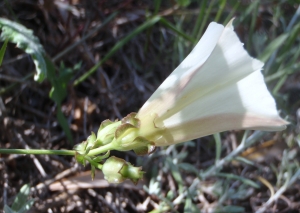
x=35, y=160
x=71, y=47
x=11, y=79
x=116, y=47
x=287, y=184
x=56, y=178
x=251, y=140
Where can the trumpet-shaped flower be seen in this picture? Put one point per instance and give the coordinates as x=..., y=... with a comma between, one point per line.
x=217, y=87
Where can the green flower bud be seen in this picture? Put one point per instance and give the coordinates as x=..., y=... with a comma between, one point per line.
x=91, y=139
x=80, y=152
x=106, y=132
x=121, y=135
x=116, y=170
x=84, y=147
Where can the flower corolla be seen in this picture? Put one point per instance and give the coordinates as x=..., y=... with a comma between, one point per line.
x=217, y=87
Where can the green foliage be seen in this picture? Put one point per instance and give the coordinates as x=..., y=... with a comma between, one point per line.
x=59, y=83
x=189, y=207
x=2, y=51
x=176, y=30
x=21, y=203
x=183, y=3
x=25, y=40
x=58, y=91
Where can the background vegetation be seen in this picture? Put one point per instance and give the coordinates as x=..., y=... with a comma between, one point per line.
x=108, y=57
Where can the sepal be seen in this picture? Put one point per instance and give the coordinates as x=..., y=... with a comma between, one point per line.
x=106, y=132
x=127, y=137
x=131, y=119
x=80, y=158
x=147, y=148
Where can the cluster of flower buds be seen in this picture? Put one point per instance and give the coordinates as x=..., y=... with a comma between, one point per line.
x=217, y=87
x=118, y=135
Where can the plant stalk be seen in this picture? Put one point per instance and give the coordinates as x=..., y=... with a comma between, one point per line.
x=37, y=152
x=102, y=149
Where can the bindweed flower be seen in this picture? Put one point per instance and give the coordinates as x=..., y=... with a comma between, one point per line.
x=217, y=87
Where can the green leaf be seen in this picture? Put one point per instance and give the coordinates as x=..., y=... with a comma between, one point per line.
x=59, y=91
x=64, y=123
x=189, y=207
x=240, y=178
x=183, y=3
x=176, y=30
x=21, y=197
x=175, y=173
x=26, y=207
x=188, y=167
x=7, y=209
x=25, y=40
x=21, y=204
x=59, y=83
x=274, y=45
x=2, y=51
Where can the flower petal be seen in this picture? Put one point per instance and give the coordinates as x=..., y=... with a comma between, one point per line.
x=247, y=104
x=217, y=87
x=178, y=79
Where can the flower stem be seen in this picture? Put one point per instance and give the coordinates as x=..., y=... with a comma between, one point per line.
x=37, y=152
x=101, y=149
x=95, y=164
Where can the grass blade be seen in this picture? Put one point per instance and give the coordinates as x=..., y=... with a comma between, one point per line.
x=2, y=51
x=117, y=46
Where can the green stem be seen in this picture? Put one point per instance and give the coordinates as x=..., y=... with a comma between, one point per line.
x=37, y=152
x=101, y=149
x=218, y=147
x=95, y=164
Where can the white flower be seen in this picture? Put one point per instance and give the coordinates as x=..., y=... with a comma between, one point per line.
x=217, y=87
